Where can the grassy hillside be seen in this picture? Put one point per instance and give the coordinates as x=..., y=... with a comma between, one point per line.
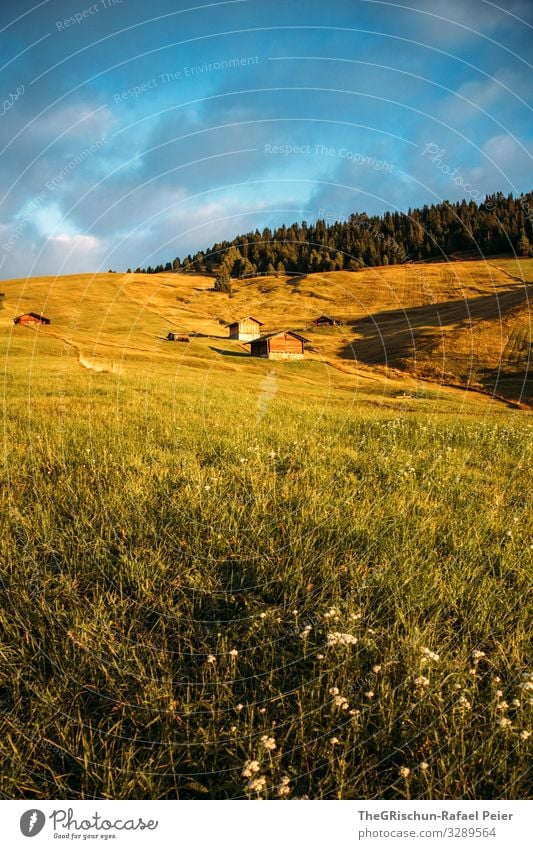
x=224, y=577
x=464, y=323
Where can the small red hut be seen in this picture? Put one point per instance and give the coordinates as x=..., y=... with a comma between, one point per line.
x=281, y=345
x=245, y=329
x=326, y=321
x=31, y=318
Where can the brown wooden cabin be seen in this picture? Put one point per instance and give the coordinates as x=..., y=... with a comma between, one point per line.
x=178, y=337
x=326, y=321
x=281, y=345
x=246, y=328
x=31, y=318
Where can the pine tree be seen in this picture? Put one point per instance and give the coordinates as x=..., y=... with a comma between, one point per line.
x=523, y=246
x=223, y=282
x=499, y=224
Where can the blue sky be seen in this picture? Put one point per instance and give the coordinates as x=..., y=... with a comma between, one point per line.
x=132, y=132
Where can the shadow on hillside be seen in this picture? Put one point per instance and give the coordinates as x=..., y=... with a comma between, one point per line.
x=226, y=353
x=296, y=279
x=517, y=384
x=394, y=335
x=207, y=336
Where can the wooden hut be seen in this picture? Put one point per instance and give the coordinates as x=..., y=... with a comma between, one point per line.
x=31, y=318
x=326, y=321
x=281, y=345
x=245, y=329
x=178, y=337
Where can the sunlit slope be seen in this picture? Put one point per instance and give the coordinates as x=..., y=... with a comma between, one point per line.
x=474, y=329
x=464, y=322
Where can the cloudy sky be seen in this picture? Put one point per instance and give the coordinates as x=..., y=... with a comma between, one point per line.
x=132, y=132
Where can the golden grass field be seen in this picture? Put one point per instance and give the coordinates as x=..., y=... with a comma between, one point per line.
x=462, y=323
x=227, y=577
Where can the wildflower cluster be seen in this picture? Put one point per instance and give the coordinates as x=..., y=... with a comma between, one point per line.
x=430, y=655
x=337, y=638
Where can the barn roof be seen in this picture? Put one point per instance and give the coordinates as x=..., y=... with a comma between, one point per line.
x=278, y=333
x=33, y=315
x=246, y=318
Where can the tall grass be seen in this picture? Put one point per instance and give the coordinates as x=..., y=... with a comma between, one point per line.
x=178, y=581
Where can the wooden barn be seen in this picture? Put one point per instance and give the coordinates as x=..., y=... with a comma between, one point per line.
x=246, y=328
x=31, y=318
x=178, y=337
x=326, y=321
x=281, y=345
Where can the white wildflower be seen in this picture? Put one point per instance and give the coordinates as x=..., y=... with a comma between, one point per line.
x=423, y=766
x=283, y=789
x=211, y=658
x=334, y=741
x=336, y=638
x=376, y=668
x=233, y=653
x=525, y=735
x=430, y=655
x=503, y=722
x=422, y=681
x=341, y=702
x=370, y=694
x=334, y=691
x=250, y=768
x=256, y=785
x=404, y=772
x=268, y=743
x=477, y=654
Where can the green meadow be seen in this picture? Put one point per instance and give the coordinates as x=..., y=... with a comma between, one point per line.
x=224, y=577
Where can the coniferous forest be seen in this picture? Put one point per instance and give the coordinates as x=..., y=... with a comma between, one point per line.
x=500, y=224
